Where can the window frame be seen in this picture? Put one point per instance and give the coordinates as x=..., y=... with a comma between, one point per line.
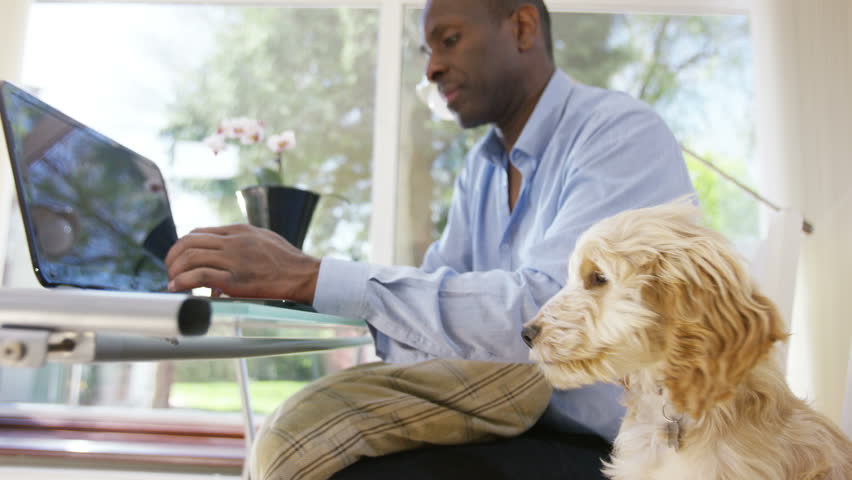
x=388, y=77
x=384, y=167
x=121, y=438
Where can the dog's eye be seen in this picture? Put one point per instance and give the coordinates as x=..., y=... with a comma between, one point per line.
x=598, y=278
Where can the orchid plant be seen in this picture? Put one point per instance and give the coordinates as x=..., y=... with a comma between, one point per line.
x=249, y=131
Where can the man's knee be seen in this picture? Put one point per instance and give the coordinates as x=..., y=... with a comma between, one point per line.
x=306, y=430
x=384, y=409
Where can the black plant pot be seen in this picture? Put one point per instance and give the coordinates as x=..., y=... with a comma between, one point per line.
x=286, y=211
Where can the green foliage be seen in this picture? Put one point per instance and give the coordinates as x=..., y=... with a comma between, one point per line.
x=204, y=370
x=267, y=176
x=292, y=367
x=274, y=64
x=225, y=396
x=581, y=48
x=312, y=70
x=672, y=49
x=675, y=54
x=726, y=207
x=656, y=59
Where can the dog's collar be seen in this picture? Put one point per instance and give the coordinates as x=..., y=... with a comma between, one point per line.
x=673, y=423
x=672, y=429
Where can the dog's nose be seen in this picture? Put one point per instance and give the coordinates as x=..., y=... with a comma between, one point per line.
x=529, y=333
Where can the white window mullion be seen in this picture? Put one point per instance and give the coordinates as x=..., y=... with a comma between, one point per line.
x=658, y=7
x=12, y=27
x=386, y=133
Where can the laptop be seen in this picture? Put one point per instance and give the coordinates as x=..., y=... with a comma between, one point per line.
x=96, y=214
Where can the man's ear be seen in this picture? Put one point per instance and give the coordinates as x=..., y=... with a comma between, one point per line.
x=527, y=25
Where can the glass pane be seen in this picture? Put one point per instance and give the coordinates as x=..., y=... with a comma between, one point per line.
x=695, y=71
x=160, y=78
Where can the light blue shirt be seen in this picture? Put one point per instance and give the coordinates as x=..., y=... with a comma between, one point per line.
x=585, y=154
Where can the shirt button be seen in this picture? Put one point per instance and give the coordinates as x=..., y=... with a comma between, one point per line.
x=504, y=248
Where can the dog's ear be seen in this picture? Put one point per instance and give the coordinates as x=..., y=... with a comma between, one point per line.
x=716, y=326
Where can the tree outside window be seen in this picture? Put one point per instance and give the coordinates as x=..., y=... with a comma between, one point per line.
x=693, y=70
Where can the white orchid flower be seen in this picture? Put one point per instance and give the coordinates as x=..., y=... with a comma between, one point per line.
x=281, y=142
x=238, y=127
x=232, y=127
x=215, y=142
x=252, y=132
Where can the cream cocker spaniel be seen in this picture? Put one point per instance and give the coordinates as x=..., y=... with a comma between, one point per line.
x=664, y=306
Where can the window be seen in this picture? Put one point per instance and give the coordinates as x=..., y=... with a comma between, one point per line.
x=159, y=78
x=695, y=71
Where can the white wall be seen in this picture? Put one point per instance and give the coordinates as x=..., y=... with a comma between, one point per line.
x=13, y=24
x=803, y=75
x=40, y=473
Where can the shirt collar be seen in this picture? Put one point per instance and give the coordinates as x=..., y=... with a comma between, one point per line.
x=542, y=124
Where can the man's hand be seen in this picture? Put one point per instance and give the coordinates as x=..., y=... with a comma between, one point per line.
x=242, y=261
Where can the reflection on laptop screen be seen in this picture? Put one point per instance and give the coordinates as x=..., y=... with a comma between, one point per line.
x=96, y=214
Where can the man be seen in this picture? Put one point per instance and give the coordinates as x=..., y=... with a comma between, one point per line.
x=560, y=157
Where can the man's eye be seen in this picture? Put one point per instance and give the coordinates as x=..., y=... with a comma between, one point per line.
x=451, y=41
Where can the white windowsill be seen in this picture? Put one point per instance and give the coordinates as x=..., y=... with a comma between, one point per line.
x=41, y=473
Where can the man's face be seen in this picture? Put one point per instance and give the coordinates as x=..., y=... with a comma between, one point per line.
x=472, y=59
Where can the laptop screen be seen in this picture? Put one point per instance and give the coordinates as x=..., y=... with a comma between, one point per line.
x=96, y=214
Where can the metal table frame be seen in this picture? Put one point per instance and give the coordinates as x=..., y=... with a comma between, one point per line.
x=38, y=326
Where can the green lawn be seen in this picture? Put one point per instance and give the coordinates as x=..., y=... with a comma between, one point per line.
x=225, y=396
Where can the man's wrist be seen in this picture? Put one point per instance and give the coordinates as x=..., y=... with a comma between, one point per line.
x=309, y=285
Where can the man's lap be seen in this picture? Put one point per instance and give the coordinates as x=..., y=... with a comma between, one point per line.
x=379, y=409
x=538, y=454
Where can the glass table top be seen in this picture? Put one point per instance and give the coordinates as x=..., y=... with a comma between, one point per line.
x=247, y=313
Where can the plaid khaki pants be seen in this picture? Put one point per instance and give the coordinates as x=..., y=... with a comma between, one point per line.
x=377, y=409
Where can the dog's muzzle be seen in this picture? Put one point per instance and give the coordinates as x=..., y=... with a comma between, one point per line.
x=529, y=332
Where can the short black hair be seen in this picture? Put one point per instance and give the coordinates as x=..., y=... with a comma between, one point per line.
x=502, y=8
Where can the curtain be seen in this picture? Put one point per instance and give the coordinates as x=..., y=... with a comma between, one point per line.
x=803, y=73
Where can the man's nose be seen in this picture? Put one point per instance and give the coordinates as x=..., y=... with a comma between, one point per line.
x=435, y=68
x=529, y=333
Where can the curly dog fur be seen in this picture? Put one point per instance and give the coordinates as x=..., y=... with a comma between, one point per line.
x=664, y=306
